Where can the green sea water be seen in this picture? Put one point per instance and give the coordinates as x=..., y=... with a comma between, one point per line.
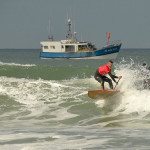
x=44, y=103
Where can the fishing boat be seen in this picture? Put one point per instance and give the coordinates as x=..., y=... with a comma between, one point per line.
x=71, y=48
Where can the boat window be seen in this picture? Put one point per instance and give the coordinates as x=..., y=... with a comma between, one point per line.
x=69, y=48
x=45, y=47
x=62, y=46
x=52, y=47
x=83, y=47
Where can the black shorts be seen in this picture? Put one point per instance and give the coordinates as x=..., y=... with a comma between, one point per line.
x=101, y=78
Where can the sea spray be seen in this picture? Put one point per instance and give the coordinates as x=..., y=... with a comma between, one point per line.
x=134, y=98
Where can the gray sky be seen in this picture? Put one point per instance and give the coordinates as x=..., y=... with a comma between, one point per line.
x=24, y=23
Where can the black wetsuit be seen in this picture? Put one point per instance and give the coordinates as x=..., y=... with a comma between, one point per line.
x=101, y=79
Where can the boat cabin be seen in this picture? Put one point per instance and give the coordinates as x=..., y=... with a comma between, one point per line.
x=65, y=46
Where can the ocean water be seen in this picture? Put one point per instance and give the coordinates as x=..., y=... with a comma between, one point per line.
x=44, y=103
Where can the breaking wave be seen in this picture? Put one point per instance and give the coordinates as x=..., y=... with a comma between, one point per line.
x=66, y=101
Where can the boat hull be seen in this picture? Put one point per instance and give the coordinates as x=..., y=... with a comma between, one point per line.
x=109, y=52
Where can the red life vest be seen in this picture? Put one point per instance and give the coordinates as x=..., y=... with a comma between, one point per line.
x=103, y=70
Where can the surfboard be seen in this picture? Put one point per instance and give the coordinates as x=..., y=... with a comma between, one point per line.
x=101, y=93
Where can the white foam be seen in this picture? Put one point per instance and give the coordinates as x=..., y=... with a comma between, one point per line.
x=135, y=101
x=100, y=103
x=134, y=98
x=35, y=93
x=40, y=96
x=15, y=64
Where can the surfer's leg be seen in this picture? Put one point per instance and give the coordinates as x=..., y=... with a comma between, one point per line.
x=102, y=84
x=109, y=81
x=99, y=79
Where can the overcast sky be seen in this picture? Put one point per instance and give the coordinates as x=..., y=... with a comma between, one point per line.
x=24, y=23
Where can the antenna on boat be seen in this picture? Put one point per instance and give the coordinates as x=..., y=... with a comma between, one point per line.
x=74, y=33
x=71, y=36
x=50, y=36
x=108, y=35
x=69, y=32
x=81, y=38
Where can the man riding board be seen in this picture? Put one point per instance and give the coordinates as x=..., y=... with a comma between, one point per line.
x=102, y=71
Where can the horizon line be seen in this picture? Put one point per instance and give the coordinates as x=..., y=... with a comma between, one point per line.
x=40, y=49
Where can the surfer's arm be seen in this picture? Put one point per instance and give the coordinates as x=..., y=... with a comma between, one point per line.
x=113, y=77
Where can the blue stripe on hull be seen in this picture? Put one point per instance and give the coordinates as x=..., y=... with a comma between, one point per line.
x=101, y=52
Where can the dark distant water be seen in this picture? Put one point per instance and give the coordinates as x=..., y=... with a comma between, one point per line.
x=44, y=103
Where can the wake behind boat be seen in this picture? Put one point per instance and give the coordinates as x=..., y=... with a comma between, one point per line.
x=74, y=49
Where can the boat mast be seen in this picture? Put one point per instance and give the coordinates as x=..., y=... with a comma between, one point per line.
x=71, y=36
x=69, y=32
x=50, y=36
x=74, y=33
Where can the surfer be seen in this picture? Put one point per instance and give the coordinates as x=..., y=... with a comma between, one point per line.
x=102, y=71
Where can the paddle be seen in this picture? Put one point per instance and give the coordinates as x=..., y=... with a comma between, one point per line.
x=117, y=83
